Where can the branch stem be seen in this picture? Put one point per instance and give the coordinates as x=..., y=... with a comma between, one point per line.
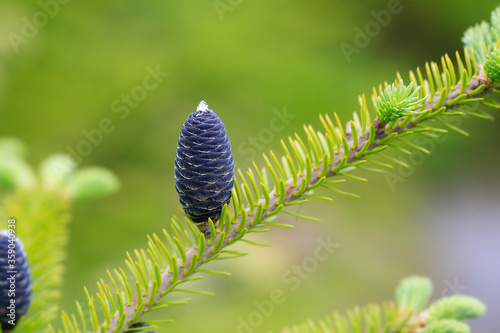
x=293, y=193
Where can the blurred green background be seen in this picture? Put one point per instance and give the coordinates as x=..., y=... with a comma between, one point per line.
x=246, y=59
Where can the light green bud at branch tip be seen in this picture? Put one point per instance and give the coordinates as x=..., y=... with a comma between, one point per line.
x=456, y=307
x=397, y=101
x=91, y=182
x=413, y=293
x=446, y=326
x=492, y=66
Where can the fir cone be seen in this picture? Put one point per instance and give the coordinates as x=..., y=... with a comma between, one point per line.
x=204, y=169
x=140, y=325
x=15, y=280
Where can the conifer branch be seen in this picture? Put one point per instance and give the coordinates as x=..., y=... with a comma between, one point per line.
x=42, y=220
x=409, y=314
x=193, y=259
x=401, y=110
x=38, y=204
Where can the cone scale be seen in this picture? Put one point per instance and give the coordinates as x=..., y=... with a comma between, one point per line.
x=204, y=169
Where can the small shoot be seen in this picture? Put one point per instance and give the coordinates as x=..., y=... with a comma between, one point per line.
x=397, y=101
x=413, y=293
x=447, y=326
x=492, y=66
x=456, y=307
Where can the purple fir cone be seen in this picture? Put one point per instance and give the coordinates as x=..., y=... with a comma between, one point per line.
x=204, y=169
x=15, y=280
x=136, y=328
